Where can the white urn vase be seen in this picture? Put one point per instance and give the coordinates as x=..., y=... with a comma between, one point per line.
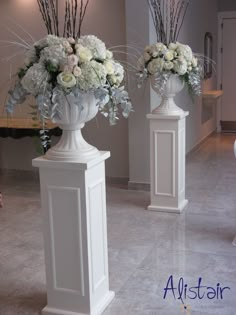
x=168, y=106
x=73, y=116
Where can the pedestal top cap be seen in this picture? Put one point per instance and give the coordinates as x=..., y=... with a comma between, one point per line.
x=42, y=162
x=167, y=117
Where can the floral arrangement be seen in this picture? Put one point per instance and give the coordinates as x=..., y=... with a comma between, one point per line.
x=168, y=56
x=66, y=66
x=55, y=65
x=162, y=61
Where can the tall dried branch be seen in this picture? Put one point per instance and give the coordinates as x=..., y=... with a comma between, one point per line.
x=168, y=17
x=74, y=15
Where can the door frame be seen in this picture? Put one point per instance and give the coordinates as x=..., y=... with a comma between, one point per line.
x=221, y=17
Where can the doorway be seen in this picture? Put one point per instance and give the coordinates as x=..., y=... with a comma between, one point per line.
x=227, y=70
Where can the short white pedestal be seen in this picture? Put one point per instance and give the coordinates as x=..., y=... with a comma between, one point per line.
x=75, y=236
x=167, y=162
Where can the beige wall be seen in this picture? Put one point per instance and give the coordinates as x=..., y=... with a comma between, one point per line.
x=106, y=19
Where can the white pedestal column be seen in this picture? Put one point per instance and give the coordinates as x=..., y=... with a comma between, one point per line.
x=75, y=236
x=167, y=162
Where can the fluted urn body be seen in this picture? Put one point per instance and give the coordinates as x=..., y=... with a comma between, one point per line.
x=72, y=118
x=168, y=106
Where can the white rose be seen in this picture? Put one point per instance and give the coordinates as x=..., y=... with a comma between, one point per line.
x=194, y=62
x=109, y=65
x=190, y=68
x=168, y=65
x=109, y=54
x=113, y=79
x=66, y=79
x=77, y=71
x=172, y=46
x=156, y=65
x=147, y=57
x=84, y=54
x=169, y=55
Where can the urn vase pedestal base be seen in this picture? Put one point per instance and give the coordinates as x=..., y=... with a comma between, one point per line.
x=75, y=235
x=167, y=162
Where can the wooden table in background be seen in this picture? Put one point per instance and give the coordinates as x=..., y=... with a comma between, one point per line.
x=24, y=127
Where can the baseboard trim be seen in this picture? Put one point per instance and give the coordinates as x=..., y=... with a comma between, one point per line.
x=139, y=186
x=228, y=126
x=117, y=181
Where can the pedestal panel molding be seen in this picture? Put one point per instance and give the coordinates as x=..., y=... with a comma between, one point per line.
x=158, y=146
x=76, y=211
x=167, y=162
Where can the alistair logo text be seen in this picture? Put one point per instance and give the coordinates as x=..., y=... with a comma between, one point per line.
x=182, y=291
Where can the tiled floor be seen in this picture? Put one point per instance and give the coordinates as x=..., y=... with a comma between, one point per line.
x=145, y=248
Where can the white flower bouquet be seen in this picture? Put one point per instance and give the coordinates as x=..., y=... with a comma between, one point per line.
x=56, y=64
x=161, y=61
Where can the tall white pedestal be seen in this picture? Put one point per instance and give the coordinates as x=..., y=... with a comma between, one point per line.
x=167, y=162
x=75, y=236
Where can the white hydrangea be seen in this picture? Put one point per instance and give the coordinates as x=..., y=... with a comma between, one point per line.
x=30, y=57
x=156, y=65
x=49, y=40
x=185, y=51
x=146, y=56
x=84, y=53
x=96, y=46
x=180, y=67
x=161, y=48
x=93, y=75
x=35, y=79
x=55, y=54
x=118, y=76
x=110, y=66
